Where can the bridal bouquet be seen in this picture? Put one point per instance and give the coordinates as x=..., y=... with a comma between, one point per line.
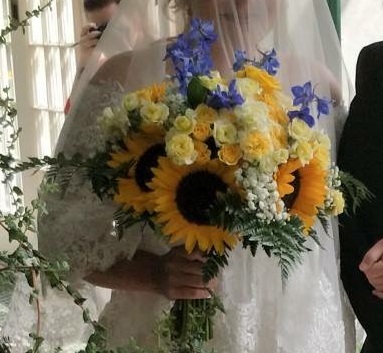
x=210, y=162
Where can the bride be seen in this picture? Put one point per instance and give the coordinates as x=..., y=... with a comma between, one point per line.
x=307, y=315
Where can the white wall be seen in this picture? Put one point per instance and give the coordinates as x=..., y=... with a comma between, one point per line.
x=362, y=24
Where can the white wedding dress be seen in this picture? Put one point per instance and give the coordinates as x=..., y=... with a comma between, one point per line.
x=309, y=315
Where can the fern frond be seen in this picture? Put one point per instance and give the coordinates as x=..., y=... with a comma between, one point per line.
x=213, y=264
x=354, y=191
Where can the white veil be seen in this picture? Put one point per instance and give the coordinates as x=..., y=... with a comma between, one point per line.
x=129, y=56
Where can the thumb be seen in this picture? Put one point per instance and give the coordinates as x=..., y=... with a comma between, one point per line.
x=372, y=256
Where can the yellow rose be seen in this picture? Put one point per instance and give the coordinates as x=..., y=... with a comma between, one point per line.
x=180, y=148
x=322, y=139
x=206, y=114
x=213, y=81
x=268, y=83
x=253, y=115
x=130, y=102
x=322, y=154
x=154, y=113
x=225, y=133
x=202, y=131
x=255, y=145
x=278, y=136
x=230, y=154
x=299, y=130
x=203, y=152
x=280, y=156
x=152, y=93
x=184, y=124
x=277, y=112
x=248, y=88
x=304, y=151
x=284, y=101
x=337, y=205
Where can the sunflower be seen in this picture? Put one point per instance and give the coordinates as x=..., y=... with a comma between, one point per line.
x=302, y=188
x=183, y=197
x=144, y=149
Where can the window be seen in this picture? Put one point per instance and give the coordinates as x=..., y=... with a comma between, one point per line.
x=53, y=68
x=39, y=67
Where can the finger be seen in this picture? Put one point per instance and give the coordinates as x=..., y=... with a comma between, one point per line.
x=90, y=36
x=196, y=255
x=188, y=280
x=191, y=267
x=376, y=282
x=89, y=44
x=86, y=28
x=212, y=284
x=378, y=294
x=375, y=271
x=372, y=256
x=188, y=293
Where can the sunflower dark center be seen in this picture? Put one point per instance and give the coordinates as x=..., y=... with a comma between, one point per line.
x=195, y=195
x=290, y=198
x=147, y=161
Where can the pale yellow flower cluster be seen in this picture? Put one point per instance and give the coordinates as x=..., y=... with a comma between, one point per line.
x=308, y=143
x=114, y=123
x=148, y=102
x=262, y=119
x=255, y=131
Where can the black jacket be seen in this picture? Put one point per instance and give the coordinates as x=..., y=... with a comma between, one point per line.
x=361, y=154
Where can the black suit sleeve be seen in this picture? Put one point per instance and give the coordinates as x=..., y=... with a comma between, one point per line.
x=361, y=154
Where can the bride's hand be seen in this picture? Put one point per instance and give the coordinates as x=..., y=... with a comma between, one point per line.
x=179, y=275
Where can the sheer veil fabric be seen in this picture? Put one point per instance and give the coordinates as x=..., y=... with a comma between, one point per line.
x=308, y=315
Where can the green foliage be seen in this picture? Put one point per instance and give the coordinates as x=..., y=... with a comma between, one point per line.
x=283, y=240
x=196, y=92
x=214, y=263
x=5, y=345
x=354, y=191
x=190, y=324
x=323, y=219
x=15, y=24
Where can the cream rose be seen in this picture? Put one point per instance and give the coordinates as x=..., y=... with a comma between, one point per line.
x=184, y=124
x=299, y=130
x=337, y=204
x=156, y=113
x=180, y=148
x=225, y=132
x=253, y=116
x=304, y=151
x=130, y=102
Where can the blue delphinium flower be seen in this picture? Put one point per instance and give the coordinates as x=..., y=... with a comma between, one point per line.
x=270, y=62
x=202, y=30
x=191, y=52
x=219, y=99
x=303, y=114
x=240, y=60
x=303, y=95
x=323, y=106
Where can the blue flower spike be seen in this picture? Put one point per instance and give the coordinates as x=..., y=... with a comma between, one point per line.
x=304, y=96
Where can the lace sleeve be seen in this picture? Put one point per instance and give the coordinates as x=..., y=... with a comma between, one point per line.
x=78, y=226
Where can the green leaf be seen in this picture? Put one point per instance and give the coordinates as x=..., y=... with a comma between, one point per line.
x=196, y=92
